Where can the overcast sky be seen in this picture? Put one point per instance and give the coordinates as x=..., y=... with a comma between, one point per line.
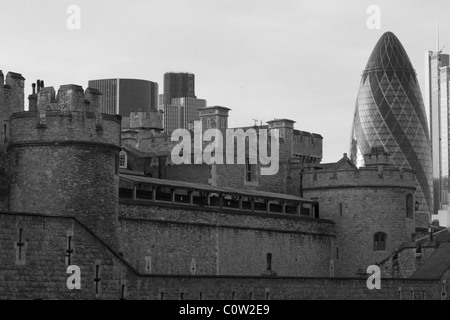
x=263, y=59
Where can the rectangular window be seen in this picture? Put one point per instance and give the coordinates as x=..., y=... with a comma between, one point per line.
x=340, y=209
x=248, y=170
x=337, y=253
x=269, y=262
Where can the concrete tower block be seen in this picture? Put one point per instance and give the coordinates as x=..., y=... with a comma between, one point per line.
x=44, y=97
x=95, y=99
x=71, y=97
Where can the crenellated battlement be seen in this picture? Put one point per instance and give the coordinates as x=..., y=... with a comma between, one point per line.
x=69, y=98
x=72, y=114
x=11, y=93
x=378, y=172
x=362, y=177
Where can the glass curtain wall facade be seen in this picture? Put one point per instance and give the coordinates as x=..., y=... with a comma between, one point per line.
x=390, y=113
x=123, y=96
x=181, y=112
x=178, y=85
x=437, y=77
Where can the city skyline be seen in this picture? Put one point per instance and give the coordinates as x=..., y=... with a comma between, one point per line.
x=123, y=96
x=260, y=59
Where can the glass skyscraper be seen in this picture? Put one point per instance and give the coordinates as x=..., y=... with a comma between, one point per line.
x=123, y=96
x=178, y=85
x=390, y=113
x=181, y=112
x=437, y=77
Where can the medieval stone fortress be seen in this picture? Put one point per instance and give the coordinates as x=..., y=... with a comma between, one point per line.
x=84, y=188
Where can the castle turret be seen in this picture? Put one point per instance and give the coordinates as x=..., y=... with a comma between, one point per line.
x=378, y=157
x=286, y=129
x=65, y=159
x=373, y=208
x=215, y=117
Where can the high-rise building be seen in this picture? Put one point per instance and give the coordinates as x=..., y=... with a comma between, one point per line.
x=178, y=85
x=123, y=96
x=181, y=112
x=437, y=77
x=390, y=113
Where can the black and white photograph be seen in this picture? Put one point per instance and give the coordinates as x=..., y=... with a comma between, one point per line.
x=223, y=154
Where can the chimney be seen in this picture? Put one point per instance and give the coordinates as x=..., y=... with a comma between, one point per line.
x=32, y=99
x=38, y=83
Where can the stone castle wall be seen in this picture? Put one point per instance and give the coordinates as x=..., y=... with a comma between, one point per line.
x=44, y=275
x=223, y=243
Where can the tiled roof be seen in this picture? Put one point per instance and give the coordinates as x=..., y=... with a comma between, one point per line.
x=435, y=266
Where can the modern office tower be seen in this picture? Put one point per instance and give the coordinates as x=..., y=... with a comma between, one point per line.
x=181, y=112
x=390, y=114
x=178, y=85
x=123, y=96
x=437, y=77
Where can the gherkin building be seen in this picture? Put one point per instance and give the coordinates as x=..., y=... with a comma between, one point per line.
x=390, y=113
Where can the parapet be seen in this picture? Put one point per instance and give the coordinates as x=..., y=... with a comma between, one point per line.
x=69, y=98
x=377, y=157
x=378, y=173
x=72, y=114
x=305, y=143
x=146, y=120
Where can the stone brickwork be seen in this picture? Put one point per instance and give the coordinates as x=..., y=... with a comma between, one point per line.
x=59, y=206
x=11, y=100
x=363, y=202
x=405, y=262
x=223, y=243
x=44, y=276
x=301, y=146
x=64, y=159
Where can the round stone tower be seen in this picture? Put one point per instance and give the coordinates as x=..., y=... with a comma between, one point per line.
x=373, y=207
x=64, y=159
